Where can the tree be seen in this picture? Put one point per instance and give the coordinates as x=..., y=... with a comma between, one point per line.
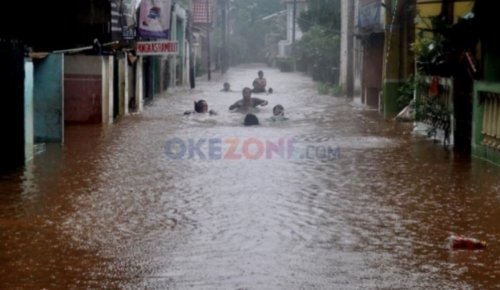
x=324, y=13
x=319, y=48
x=249, y=30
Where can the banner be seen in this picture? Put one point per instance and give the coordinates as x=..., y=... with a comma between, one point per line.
x=164, y=47
x=154, y=19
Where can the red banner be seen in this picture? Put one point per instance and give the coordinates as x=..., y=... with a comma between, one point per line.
x=157, y=48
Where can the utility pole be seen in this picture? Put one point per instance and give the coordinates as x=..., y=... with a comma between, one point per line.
x=294, y=21
x=227, y=35
x=208, y=40
x=192, y=72
x=224, y=37
x=350, y=50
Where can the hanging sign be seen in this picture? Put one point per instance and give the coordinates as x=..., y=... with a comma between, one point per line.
x=157, y=48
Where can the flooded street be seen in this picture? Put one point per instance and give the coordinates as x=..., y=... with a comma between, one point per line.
x=118, y=207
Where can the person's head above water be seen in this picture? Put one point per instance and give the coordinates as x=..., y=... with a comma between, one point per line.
x=251, y=120
x=226, y=87
x=278, y=110
x=201, y=106
x=247, y=94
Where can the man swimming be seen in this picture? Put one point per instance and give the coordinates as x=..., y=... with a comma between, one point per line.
x=278, y=113
x=226, y=87
x=251, y=120
x=201, y=107
x=247, y=103
x=260, y=83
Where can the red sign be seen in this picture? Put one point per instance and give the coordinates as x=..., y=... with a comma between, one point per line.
x=157, y=48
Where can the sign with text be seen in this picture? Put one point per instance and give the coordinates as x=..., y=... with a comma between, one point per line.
x=157, y=48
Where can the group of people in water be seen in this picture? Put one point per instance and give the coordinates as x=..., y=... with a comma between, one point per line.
x=247, y=104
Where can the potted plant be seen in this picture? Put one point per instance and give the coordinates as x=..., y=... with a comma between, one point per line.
x=431, y=56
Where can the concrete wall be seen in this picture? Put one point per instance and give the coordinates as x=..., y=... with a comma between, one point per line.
x=48, y=98
x=12, y=147
x=83, y=89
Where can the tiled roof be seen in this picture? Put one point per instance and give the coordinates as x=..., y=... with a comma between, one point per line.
x=200, y=11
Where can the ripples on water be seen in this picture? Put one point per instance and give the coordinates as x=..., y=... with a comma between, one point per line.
x=111, y=210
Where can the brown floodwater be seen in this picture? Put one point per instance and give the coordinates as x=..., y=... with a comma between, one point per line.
x=159, y=200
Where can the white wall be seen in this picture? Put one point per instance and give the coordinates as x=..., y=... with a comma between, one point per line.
x=139, y=84
x=107, y=89
x=28, y=110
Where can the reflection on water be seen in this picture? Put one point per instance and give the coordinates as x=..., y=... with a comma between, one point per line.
x=110, y=209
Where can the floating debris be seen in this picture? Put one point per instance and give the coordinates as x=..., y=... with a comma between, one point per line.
x=457, y=242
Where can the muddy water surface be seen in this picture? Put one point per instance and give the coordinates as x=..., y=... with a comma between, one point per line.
x=157, y=201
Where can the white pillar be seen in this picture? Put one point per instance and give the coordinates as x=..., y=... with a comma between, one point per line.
x=184, y=52
x=139, y=83
x=28, y=110
x=107, y=90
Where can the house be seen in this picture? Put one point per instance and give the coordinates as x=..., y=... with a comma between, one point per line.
x=486, y=88
x=203, y=17
x=34, y=72
x=444, y=82
x=62, y=68
x=293, y=31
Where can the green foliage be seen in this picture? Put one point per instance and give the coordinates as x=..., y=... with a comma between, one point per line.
x=432, y=111
x=320, y=49
x=406, y=92
x=440, y=44
x=325, y=13
x=324, y=88
x=239, y=49
x=329, y=89
x=200, y=67
x=428, y=52
x=249, y=30
x=183, y=3
x=429, y=108
x=337, y=90
x=320, y=46
x=285, y=64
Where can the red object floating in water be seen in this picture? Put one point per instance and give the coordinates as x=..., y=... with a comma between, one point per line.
x=466, y=243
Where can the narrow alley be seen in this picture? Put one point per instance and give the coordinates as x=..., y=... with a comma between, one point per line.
x=115, y=207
